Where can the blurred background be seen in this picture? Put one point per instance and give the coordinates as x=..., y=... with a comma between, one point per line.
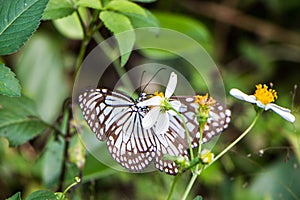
x=252, y=41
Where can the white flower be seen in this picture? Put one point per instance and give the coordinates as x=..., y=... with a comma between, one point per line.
x=161, y=108
x=263, y=98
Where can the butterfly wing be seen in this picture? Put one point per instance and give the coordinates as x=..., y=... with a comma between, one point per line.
x=114, y=117
x=101, y=107
x=218, y=120
x=173, y=145
x=131, y=145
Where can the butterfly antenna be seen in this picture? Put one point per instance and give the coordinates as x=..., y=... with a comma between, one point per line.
x=152, y=78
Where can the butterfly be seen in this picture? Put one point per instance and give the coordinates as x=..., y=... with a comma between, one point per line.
x=116, y=118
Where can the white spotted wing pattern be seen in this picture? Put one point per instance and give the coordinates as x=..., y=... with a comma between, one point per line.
x=115, y=118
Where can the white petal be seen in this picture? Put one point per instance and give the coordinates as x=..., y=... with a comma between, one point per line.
x=171, y=112
x=171, y=85
x=261, y=105
x=242, y=96
x=162, y=124
x=153, y=101
x=151, y=117
x=283, y=112
x=176, y=104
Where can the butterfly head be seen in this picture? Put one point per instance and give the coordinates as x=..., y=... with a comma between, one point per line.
x=142, y=97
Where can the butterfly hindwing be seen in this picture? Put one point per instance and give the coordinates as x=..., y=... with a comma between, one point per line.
x=218, y=120
x=131, y=145
x=114, y=117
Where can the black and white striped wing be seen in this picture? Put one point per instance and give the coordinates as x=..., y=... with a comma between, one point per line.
x=114, y=117
x=219, y=118
x=172, y=144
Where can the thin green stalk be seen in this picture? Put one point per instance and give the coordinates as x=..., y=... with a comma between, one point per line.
x=200, y=140
x=191, y=183
x=81, y=54
x=190, y=148
x=66, y=131
x=237, y=140
x=87, y=36
x=186, y=132
x=172, y=187
x=196, y=173
x=81, y=23
x=77, y=180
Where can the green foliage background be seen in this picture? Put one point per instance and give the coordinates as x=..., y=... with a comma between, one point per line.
x=252, y=41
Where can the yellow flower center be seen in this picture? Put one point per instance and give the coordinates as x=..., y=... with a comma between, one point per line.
x=161, y=94
x=205, y=100
x=202, y=111
x=265, y=95
x=164, y=104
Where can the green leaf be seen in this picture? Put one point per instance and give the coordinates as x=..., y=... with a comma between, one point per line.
x=41, y=195
x=18, y=120
x=16, y=196
x=138, y=16
x=70, y=26
x=118, y=23
x=58, y=8
x=19, y=19
x=125, y=7
x=9, y=85
x=52, y=162
x=60, y=196
x=140, y=21
x=41, y=72
x=96, y=4
x=144, y=1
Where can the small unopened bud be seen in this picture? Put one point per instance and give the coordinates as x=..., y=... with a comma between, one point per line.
x=206, y=156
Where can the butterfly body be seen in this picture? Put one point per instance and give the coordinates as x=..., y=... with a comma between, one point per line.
x=115, y=118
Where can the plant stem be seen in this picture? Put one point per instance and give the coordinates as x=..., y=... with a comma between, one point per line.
x=87, y=36
x=196, y=173
x=190, y=185
x=200, y=141
x=172, y=187
x=190, y=148
x=236, y=140
x=186, y=132
x=81, y=23
x=77, y=180
x=66, y=131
